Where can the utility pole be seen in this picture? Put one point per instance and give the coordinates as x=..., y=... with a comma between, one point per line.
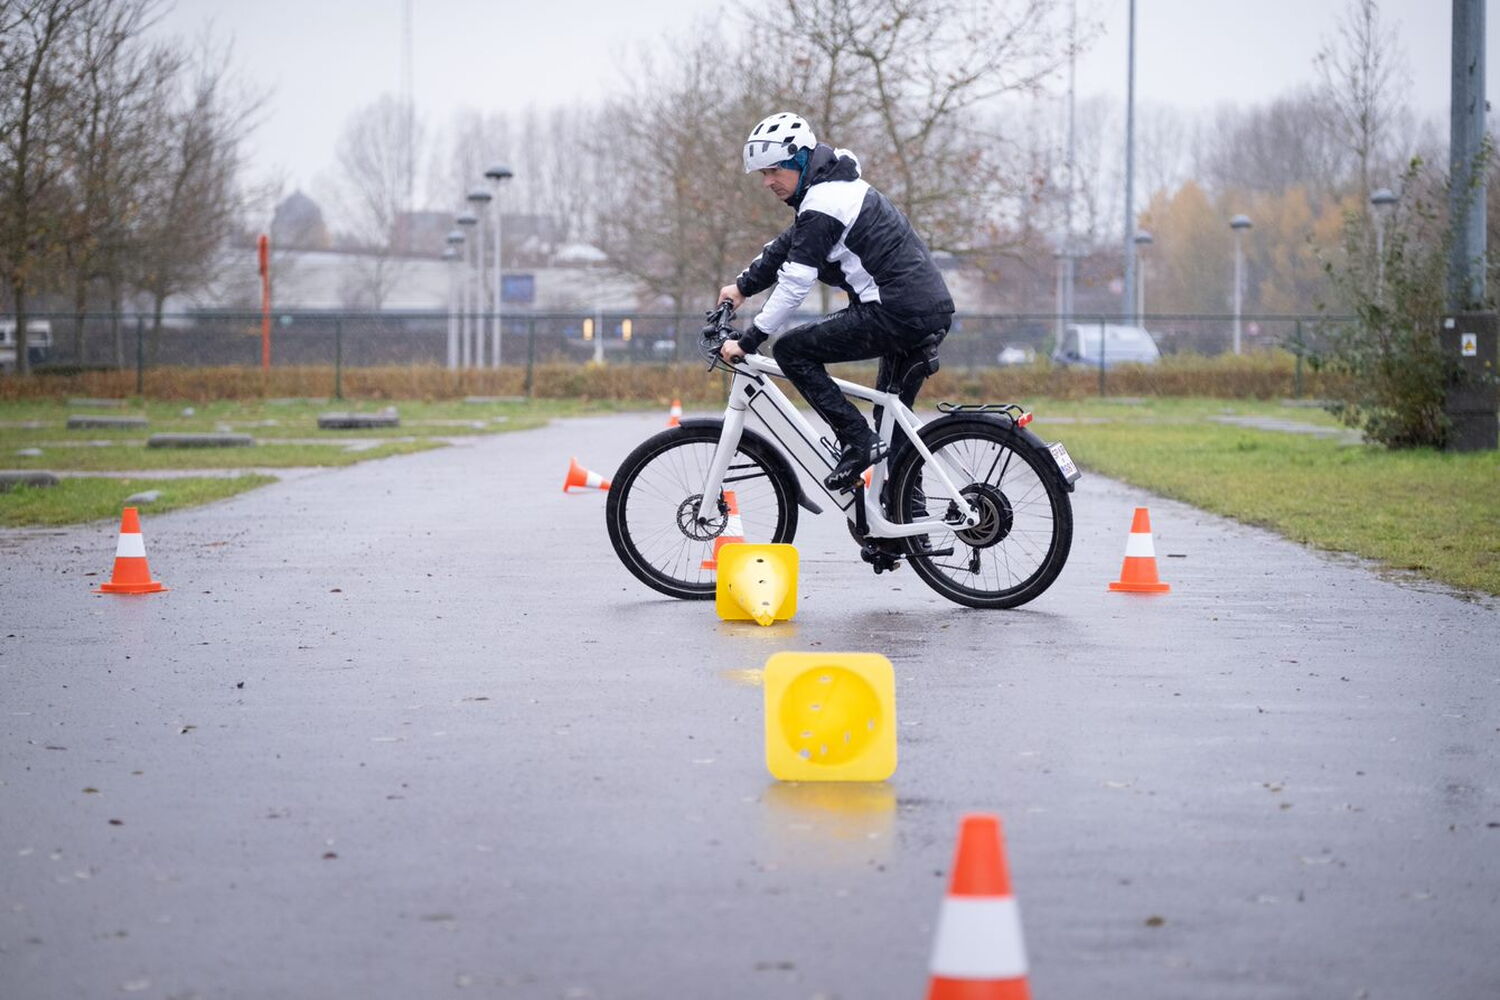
x=1466, y=138
x=1068, y=258
x=1127, y=297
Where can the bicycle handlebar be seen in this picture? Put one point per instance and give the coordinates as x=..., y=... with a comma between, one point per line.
x=716, y=330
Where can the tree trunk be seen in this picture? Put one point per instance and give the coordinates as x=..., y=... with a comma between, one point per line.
x=115, y=327
x=18, y=295
x=80, y=306
x=158, y=300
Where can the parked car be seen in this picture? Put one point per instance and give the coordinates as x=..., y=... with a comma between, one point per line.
x=38, y=342
x=1011, y=354
x=1110, y=343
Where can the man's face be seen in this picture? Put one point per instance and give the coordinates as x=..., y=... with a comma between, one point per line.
x=780, y=181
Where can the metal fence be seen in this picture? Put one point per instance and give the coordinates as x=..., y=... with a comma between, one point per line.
x=364, y=339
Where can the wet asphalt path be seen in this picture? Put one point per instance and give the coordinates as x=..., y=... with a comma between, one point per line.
x=408, y=729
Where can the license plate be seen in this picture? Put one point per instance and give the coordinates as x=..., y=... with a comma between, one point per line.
x=1064, y=462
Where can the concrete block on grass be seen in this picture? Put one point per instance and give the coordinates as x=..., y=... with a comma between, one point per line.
x=199, y=441
x=80, y=421
x=10, y=480
x=358, y=421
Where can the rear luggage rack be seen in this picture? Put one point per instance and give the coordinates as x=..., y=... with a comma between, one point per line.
x=1019, y=416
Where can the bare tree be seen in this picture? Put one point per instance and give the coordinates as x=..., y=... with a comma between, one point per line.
x=676, y=212
x=553, y=192
x=194, y=202
x=1362, y=76
x=371, y=191
x=1272, y=147
x=37, y=64
x=124, y=93
x=900, y=81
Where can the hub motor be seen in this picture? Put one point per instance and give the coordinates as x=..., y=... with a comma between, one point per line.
x=996, y=517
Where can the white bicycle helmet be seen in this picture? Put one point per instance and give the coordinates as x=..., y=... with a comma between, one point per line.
x=776, y=139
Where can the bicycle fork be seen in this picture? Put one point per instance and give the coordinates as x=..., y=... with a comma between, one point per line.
x=729, y=440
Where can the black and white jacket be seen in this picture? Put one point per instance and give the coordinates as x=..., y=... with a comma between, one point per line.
x=846, y=234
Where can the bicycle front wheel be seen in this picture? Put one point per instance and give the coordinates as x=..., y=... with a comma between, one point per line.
x=1026, y=519
x=653, y=502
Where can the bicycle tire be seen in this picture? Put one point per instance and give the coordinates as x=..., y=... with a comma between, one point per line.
x=1022, y=543
x=658, y=484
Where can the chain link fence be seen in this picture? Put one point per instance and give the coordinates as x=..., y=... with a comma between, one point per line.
x=370, y=339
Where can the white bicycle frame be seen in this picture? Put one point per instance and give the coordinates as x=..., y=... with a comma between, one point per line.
x=752, y=382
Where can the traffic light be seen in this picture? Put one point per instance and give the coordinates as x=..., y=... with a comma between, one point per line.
x=625, y=329
x=588, y=329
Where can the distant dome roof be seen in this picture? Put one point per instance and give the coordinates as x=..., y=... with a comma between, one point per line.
x=580, y=253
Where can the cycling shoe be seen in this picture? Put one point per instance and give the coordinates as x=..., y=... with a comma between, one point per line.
x=854, y=460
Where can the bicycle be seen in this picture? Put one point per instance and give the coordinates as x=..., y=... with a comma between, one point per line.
x=1000, y=493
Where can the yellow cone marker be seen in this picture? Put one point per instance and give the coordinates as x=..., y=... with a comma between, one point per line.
x=756, y=583
x=830, y=717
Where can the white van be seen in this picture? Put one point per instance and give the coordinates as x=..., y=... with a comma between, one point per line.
x=1117, y=345
x=38, y=341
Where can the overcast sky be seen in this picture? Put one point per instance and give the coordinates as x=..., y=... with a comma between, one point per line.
x=322, y=59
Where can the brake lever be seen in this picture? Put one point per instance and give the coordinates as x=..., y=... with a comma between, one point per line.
x=716, y=331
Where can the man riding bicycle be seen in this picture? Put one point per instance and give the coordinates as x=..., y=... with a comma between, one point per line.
x=848, y=235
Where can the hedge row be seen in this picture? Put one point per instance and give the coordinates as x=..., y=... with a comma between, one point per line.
x=1259, y=376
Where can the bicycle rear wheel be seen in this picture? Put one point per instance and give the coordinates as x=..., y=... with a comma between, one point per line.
x=1026, y=518
x=651, y=512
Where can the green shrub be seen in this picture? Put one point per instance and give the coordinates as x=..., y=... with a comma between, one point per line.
x=1395, y=372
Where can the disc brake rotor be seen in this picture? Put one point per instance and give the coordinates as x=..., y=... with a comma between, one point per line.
x=996, y=516
x=687, y=520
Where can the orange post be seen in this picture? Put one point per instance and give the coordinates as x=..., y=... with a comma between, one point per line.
x=263, y=248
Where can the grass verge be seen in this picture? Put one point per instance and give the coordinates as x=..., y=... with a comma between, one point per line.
x=1434, y=514
x=73, y=501
x=286, y=434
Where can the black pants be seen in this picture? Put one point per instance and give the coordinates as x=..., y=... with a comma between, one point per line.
x=857, y=333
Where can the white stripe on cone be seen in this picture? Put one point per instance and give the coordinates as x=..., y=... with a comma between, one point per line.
x=1139, y=545
x=593, y=480
x=979, y=937
x=131, y=547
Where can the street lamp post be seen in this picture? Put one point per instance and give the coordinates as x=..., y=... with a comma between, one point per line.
x=451, y=254
x=480, y=199
x=1238, y=224
x=498, y=175
x=1143, y=239
x=1383, y=202
x=465, y=335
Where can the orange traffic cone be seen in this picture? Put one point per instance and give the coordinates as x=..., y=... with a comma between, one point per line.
x=978, y=952
x=734, y=531
x=132, y=575
x=674, y=417
x=1138, y=574
x=583, y=478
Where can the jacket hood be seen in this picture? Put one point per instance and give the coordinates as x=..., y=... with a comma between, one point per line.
x=826, y=164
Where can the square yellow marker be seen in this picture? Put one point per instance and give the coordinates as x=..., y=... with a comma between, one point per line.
x=756, y=582
x=830, y=716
